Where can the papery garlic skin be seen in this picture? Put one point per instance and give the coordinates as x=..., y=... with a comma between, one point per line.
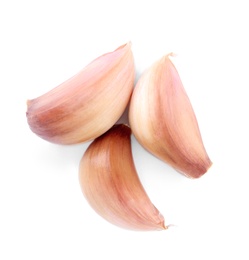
x=88, y=104
x=163, y=120
x=111, y=185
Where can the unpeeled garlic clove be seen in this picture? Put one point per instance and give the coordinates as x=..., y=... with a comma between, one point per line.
x=163, y=120
x=88, y=104
x=111, y=185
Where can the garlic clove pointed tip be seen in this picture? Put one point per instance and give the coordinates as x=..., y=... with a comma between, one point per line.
x=171, y=54
x=126, y=45
x=129, y=43
x=170, y=226
x=162, y=227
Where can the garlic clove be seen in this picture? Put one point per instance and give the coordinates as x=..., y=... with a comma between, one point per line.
x=163, y=120
x=88, y=104
x=111, y=185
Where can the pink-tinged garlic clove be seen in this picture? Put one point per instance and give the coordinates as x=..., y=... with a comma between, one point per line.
x=111, y=185
x=163, y=120
x=88, y=104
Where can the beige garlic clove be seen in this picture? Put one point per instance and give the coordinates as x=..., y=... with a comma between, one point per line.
x=88, y=104
x=163, y=120
x=111, y=185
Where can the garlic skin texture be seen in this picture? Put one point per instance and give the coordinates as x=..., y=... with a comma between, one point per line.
x=111, y=185
x=88, y=104
x=163, y=120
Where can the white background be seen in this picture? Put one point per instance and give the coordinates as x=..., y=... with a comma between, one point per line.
x=43, y=214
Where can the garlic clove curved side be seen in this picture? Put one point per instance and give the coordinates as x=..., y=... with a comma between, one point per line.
x=88, y=104
x=163, y=120
x=111, y=185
